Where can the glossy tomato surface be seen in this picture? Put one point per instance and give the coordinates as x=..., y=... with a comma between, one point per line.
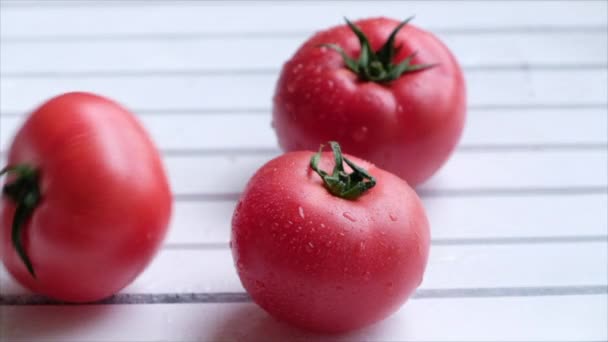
x=105, y=200
x=322, y=262
x=408, y=126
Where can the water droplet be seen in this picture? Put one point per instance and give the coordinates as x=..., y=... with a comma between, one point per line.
x=362, y=245
x=345, y=269
x=349, y=216
x=310, y=247
x=399, y=108
x=330, y=84
x=297, y=68
x=367, y=275
x=322, y=225
x=299, y=228
x=341, y=233
x=260, y=285
x=291, y=88
x=289, y=223
x=360, y=134
x=301, y=212
x=393, y=217
x=323, y=49
x=240, y=266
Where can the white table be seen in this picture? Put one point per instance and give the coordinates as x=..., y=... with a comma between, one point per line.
x=519, y=214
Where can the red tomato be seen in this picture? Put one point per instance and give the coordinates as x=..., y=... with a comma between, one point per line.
x=334, y=260
x=87, y=202
x=399, y=103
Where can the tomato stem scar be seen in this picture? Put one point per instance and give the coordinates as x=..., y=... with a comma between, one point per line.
x=377, y=66
x=339, y=183
x=24, y=192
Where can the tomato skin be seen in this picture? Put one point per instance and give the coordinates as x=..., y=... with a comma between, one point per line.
x=321, y=262
x=106, y=201
x=409, y=126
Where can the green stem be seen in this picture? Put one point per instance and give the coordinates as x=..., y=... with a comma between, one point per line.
x=339, y=183
x=378, y=66
x=24, y=192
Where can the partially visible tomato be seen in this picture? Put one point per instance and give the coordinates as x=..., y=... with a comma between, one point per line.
x=329, y=252
x=86, y=204
x=390, y=93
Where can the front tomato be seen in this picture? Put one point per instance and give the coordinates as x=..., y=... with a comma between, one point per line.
x=329, y=252
x=390, y=93
x=86, y=202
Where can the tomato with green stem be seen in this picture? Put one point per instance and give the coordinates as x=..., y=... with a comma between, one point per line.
x=329, y=251
x=389, y=92
x=86, y=201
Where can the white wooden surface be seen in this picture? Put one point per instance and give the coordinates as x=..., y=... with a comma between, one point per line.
x=519, y=214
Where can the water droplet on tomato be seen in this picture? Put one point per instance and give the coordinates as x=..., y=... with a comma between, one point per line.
x=330, y=84
x=310, y=247
x=367, y=275
x=240, y=266
x=360, y=134
x=399, y=108
x=349, y=216
x=393, y=217
x=322, y=225
x=301, y=212
x=323, y=49
x=362, y=246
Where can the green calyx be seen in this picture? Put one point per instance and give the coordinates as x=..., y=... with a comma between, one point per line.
x=24, y=192
x=377, y=66
x=345, y=185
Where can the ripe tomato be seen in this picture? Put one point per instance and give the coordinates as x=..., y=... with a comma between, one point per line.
x=390, y=93
x=330, y=254
x=86, y=204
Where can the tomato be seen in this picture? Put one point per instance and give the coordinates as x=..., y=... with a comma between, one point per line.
x=390, y=93
x=331, y=254
x=86, y=202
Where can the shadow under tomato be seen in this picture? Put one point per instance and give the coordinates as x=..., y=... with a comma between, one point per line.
x=248, y=322
x=50, y=322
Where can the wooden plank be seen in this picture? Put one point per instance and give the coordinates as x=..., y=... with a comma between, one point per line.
x=284, y=17
x=449, y=267
x=192, y=53
x=475, y=173
x=503, y=219
x=552, y=318
x=483, y=171
x=244, y=132
x=190, y=91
